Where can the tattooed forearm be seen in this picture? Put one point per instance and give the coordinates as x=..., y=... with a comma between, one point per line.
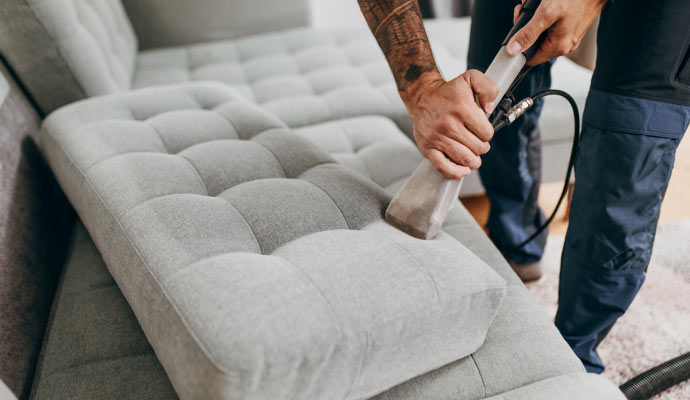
x=398, y=28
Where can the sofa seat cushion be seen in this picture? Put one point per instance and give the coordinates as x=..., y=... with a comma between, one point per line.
x=301, y=75
x=566, y=387
x=94, y=347
x=307, y=76
x=373, y=146
x=256, y=264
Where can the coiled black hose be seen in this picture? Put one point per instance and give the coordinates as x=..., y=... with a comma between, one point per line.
x=500, y=120
x=658, y=379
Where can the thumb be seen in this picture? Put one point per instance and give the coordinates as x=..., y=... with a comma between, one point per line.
x=485, y=90
x=529, y=33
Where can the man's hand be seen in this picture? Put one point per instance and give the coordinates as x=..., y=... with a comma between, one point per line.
x=567, y=22
x=450, y=129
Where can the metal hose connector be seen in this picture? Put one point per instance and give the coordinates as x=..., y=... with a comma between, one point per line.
x=520, y=108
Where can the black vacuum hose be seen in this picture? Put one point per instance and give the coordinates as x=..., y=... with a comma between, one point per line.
x=658, y=379
x=501, y=120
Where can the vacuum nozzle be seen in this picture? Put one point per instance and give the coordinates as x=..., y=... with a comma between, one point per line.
x=422, y=204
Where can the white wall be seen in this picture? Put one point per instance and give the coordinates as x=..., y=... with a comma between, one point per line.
x=345, y=13
x=336, y=14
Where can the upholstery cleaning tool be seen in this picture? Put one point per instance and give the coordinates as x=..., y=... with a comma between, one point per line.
x=422, y=204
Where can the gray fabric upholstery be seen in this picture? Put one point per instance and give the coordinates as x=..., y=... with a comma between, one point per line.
x=94, y=347
x=522, y=345
x=371, y=145
x=257, y=265
x=89, y=281
x=163, y=23
x=4, y=89
x=35, y=219
x=78, y=48
x=306, y=77
x=569, y=387
x=303, y=76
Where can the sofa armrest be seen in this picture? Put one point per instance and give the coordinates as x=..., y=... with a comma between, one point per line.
x=160, y=23
x=565, y=387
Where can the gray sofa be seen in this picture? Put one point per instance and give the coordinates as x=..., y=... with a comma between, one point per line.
x=230, y=241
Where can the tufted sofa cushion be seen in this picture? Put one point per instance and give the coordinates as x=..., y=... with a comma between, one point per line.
x=301, y=75
x=65, y=50
x=306, y=76
x=257, y=266
x=371, y=145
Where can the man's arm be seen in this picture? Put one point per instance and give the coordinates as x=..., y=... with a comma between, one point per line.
x=450, y=129
x=398, y=28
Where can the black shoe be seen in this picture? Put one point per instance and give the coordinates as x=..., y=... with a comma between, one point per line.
x=527, y=272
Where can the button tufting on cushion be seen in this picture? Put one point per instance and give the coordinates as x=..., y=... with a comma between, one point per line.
x=301, y=75
x=257, y=265
x=371, y=145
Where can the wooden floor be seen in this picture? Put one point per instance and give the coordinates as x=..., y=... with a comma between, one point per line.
x=676, y=205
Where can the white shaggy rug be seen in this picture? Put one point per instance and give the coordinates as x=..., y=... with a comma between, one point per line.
x=656, y=328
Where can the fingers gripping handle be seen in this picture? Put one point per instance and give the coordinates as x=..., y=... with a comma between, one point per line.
x=527, y=11
x=422, y=204
x=505, y=68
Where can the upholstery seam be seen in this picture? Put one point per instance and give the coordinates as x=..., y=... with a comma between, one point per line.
x=105, y=360
x=272, y=154
x=181, y=156
x=58, y=49
x=329, y=197
x=187, y=66
x=419, y=264
x=205, y=259
x=225, y=117
x=197, y=172
x=99, y=162
x=107, y=285
x=242, y=63
x=346, y=132
x=261, y=251
x=366, y=168
x=316, y=288
x=173, y=305
x=360, y=367
x=479, y=372
x=136, y=207
x=111, y=47
x=160, y=137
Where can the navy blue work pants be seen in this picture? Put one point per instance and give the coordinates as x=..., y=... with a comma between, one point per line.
x=637, y=110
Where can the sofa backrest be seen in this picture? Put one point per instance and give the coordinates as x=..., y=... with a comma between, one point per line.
x=65, y=50
x=35, y=220
x=160, y=23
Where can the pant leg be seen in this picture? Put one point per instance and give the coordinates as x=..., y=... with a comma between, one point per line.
x=511, y=170
x=635, y=115
x=621, y=180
